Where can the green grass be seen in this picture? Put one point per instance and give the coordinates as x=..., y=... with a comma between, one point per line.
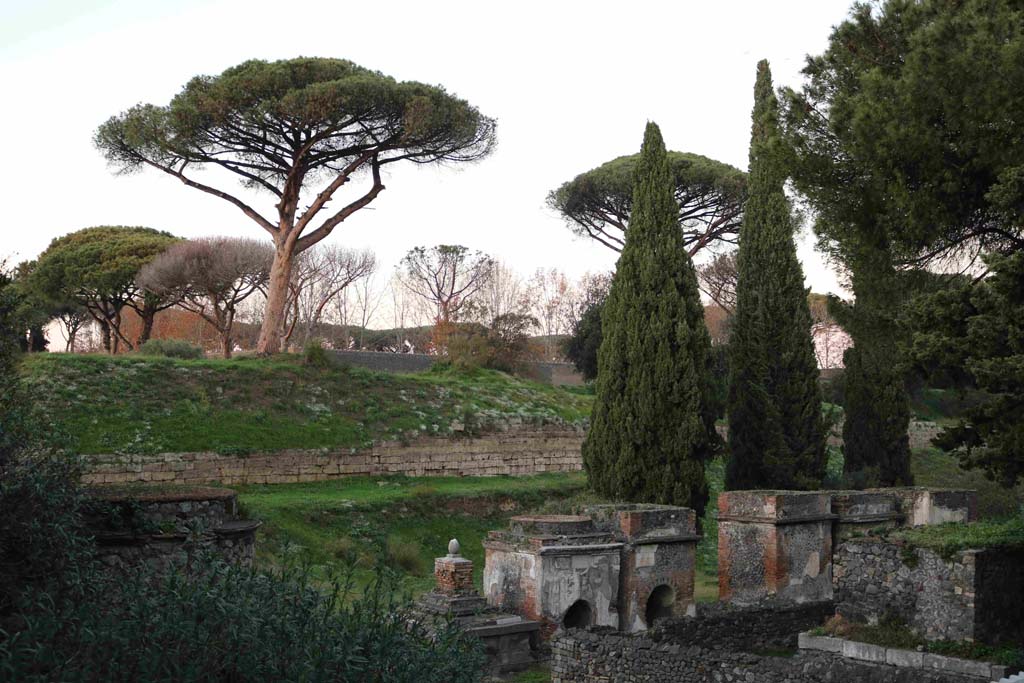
x=400, y=522
x=948, y=539
x=933, y=467
x=138, y=404
x=537, y=674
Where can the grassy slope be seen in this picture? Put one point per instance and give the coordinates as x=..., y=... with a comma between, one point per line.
x=400, y=522
x=139, y=404
x=932, y=467
x=405, y=522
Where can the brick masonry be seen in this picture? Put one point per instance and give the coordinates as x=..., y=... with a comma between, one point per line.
x=524, y=449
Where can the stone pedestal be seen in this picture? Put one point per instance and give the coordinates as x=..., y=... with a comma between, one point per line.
x=510, y=642
x=454, y=593
x=658, y=560
x=774, y=543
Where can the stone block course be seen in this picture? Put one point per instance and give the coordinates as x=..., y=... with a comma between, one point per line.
x=523, y=449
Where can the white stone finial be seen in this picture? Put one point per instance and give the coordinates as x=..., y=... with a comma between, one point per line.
x=453, y=548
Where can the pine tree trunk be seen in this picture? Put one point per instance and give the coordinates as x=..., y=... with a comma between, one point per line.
x=226, y=344
x=105, y=335
x=147, y=317
x=272, y=331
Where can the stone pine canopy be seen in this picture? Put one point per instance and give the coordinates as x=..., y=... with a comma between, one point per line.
x=598, y=203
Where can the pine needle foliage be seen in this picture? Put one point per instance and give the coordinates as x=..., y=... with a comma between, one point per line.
x=776, y=432
x=652, y=426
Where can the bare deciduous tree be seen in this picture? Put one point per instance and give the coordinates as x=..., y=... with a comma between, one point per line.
x=717, y=278
x=322, y=274
x=504, y=293
x=591, y=289
x=211, y=277
x=447, y=276
x=551, y=297
x=368, y=296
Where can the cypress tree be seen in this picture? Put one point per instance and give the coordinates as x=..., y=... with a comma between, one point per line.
x=876, y=447
x=776, y=432
x=653, y=423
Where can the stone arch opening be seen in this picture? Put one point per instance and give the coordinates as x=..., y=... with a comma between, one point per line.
x=579, y=615
x=659, y=604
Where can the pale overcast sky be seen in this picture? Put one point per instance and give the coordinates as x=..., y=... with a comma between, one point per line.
x=571, y=83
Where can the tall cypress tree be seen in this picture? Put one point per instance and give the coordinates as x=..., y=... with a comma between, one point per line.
x=653, y=424
x=776, y=432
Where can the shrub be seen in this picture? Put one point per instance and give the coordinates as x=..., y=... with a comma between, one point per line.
x=468, y=349
x=171, y=348
x=227, y=623
x=405, y=555
x=42, y=547
x=315, y=355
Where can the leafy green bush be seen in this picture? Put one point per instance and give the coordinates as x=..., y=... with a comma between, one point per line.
x=42, y=547
x=227, y=623
x=315, y=355
x=172, y=348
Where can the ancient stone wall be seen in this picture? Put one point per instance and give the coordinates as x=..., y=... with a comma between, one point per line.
x=558, y=374
x=164, y=530
x=584, y=657
x=524, y=449
x=975, y=595
x=770, y=624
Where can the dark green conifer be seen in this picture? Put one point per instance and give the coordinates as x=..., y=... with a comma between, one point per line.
x=776, y=432
x=653, y=424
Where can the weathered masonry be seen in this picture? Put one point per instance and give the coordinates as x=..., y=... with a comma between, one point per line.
x=164, y=528
x=514, y=450
x=511, y=642
x=774, y=543
x=622, y=566
x=787, y=561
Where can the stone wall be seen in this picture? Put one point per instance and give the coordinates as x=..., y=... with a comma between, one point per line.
x=167, y=529
x=975, y=595
x=526, y=449
x=770, y=624
x=585, y=657
x=557, y=374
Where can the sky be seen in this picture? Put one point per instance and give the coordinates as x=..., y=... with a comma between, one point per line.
x=571, y=83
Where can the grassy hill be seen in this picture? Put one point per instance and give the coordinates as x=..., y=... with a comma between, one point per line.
x=137, y=404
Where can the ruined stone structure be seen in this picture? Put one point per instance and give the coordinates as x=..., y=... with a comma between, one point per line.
x=862, y=512
x=511, y=449
x=164, y=528
x=787, y=561
x=973, y=595
x=922, y=506
x=774, y=543
x=511, y=642
x=622, y=566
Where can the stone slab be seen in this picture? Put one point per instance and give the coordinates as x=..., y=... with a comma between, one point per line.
x=865, y=652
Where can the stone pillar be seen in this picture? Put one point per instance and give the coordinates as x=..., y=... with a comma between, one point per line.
x=454, y=593
x=658, y=560
x=453, y=573
x=774, y=543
